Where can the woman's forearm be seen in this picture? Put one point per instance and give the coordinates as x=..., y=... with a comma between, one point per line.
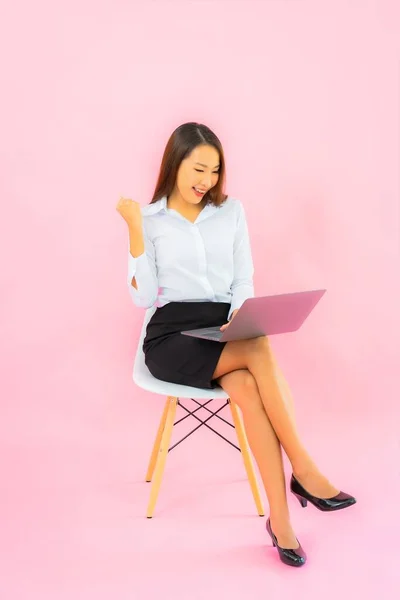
x=136, y=246
x=136, y=241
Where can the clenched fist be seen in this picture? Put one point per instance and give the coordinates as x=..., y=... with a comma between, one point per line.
x=130, y=211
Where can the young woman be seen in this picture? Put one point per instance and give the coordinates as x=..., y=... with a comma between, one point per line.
x=190, y=252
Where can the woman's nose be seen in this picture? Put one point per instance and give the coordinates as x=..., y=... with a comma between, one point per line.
x=206, y=182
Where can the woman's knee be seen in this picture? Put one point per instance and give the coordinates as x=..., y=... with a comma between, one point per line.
x=242, y=389
x=259, y=347
x=241, y=354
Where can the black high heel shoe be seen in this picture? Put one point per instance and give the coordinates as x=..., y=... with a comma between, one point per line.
x=294, y=558
x=342, y=500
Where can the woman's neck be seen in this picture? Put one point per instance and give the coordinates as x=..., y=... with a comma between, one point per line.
x=186, y=209
x=178, y=203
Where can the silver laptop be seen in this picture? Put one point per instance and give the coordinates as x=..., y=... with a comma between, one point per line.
x=267, y=315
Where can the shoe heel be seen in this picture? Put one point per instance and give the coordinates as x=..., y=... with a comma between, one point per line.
x=302, y=501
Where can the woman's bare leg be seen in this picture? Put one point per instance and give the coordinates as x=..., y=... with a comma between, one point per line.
x=256, y=356
x=285, y=389
x=243, y=391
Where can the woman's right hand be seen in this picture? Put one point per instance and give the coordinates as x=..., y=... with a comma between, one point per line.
x=130, y=211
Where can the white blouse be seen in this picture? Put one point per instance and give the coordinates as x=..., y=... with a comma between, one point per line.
x=208, y=260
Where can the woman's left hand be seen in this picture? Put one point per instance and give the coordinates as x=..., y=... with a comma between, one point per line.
x=227, y=324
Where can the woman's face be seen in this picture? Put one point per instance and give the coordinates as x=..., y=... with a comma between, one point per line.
x=199, y=171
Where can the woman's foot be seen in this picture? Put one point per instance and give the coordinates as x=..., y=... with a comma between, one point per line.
x=336, y=502
x=315, y=483
x=293, y=556
x=284, y=533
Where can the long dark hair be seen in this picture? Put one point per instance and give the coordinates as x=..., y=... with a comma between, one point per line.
x=181, y=143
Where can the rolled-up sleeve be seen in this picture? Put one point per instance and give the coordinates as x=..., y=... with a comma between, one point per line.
x=243, y=269
x=144, y=269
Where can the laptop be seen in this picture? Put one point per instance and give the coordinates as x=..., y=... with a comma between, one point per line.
x=266, y=315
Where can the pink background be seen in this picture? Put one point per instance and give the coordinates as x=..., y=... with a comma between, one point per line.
x=305, y=98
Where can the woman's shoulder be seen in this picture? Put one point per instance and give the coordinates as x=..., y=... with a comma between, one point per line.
x=153, y=208
x=232, y=203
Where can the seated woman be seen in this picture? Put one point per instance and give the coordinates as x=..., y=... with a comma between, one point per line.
x=190, y=253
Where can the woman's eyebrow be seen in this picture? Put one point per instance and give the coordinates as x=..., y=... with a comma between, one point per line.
x=201, y=164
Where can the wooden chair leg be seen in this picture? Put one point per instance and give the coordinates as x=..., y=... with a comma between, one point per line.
x=157, y=442
x=162, y=455
x=248, y=463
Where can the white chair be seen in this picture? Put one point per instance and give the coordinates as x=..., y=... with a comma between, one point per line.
x=174, y=392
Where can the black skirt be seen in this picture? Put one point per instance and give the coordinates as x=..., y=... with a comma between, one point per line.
x=176, y=358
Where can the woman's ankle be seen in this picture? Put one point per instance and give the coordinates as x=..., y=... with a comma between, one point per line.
x=305, y=468
x=280, y=518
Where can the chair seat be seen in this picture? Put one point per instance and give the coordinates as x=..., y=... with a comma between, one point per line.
x=145, y=380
